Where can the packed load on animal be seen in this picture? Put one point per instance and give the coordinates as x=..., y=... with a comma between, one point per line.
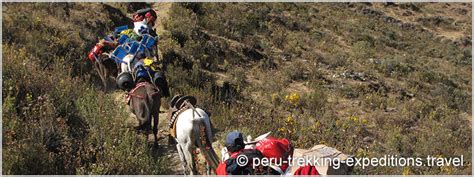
x=134, y=51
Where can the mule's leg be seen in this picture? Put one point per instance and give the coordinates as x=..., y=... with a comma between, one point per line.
x=148, y=127
x=181, y=157
x=99, y=69
x=106, y=76
x=156, y=115
x=103, y=72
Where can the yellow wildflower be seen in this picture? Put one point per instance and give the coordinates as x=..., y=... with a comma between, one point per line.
x=293, y=98
x=406, y=171
x=282, y=129
x=354, y=118
x=364, y=121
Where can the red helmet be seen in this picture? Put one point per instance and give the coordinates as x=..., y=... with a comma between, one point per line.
x=277, y=149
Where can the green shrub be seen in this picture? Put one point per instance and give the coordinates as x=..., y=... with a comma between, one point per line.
x=363, y=50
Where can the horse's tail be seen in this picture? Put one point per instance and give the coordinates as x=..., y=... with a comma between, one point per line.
x=203, y=141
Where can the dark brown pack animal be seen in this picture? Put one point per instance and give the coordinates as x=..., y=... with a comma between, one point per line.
x=106, y=68
x=144, y=101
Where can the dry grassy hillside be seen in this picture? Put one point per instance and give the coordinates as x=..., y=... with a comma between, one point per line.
x=369, y=79
x=55, y=118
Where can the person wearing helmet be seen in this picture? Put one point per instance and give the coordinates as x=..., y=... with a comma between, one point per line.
x=144, y=21
x=236, y=147
x=234, y=142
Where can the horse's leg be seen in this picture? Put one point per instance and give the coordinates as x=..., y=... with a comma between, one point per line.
x=188, y=154
x=181, y=157
x=113, y=72
x=148, y=127
x=142, y=115
x=103, y=75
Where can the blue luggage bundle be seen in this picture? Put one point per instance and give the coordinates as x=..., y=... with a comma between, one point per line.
x=130, y=46
x=135, y=47
x=148, y=41
x=120, y=29
x=119, y=53
x=123, y=39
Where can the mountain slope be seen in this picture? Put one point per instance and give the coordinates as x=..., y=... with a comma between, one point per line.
x=56, y=118
x=367, y=78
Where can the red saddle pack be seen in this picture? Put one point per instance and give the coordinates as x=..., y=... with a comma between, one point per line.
x=276, y=149
x=95, y=52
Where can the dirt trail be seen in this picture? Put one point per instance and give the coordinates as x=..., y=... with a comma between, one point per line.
x=169, y=151
x=166, y=150
x=162, y=9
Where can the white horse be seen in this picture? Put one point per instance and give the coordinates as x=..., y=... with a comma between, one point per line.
x=193, y=130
